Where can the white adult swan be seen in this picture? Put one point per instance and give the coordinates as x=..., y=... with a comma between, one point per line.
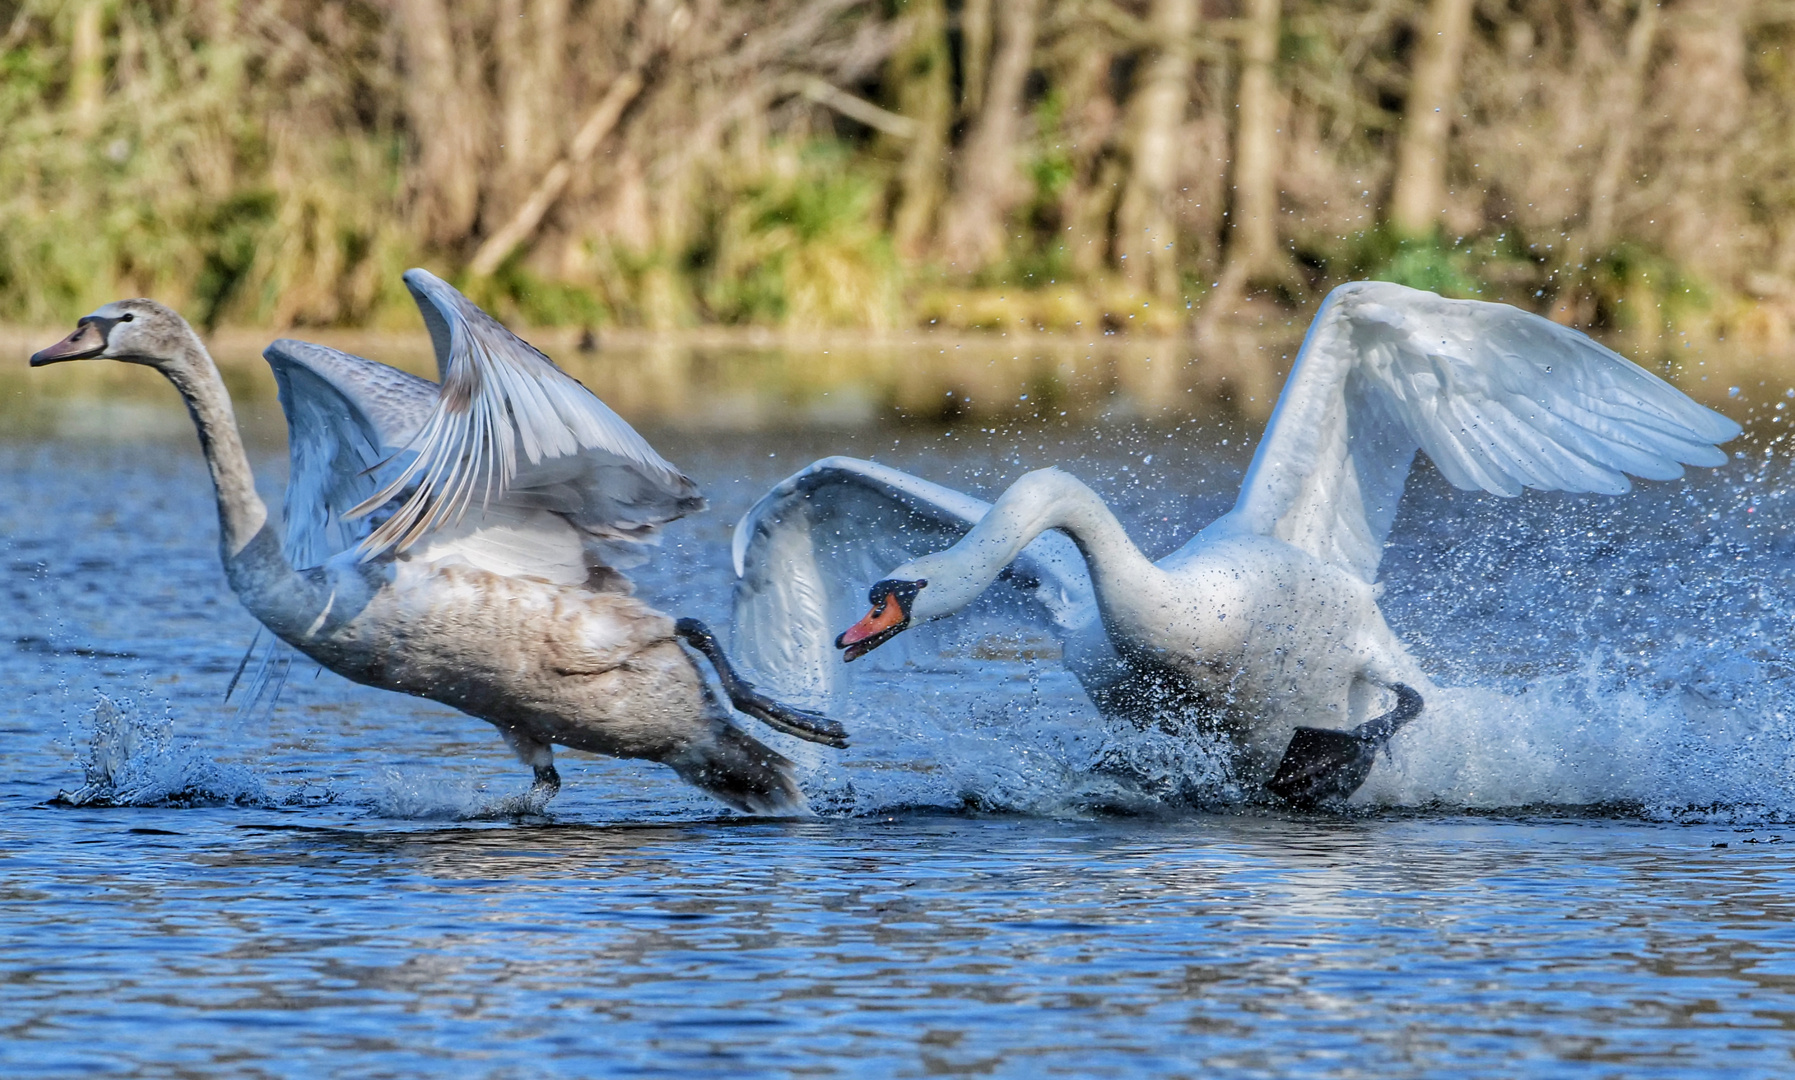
x=1268, y=618
x=485, y=577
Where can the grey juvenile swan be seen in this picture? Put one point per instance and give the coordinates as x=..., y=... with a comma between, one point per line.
x=460, y=543
x=1265, y=627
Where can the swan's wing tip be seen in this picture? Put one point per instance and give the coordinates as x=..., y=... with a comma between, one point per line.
x=741, y=539
x=1501, y=399
x=509, y=420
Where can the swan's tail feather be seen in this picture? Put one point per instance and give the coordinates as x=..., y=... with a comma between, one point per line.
x=243, y=663
x=741, y=771
x=261, y=676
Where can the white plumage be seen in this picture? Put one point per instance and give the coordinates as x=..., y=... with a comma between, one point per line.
x=1268, y=618
x=1500, y=399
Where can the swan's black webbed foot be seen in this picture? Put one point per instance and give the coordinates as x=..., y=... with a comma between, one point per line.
x=547, y=785
x=1323, y=766
x=812, y=727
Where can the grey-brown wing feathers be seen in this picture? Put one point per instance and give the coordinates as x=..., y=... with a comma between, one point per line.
x=510, y=426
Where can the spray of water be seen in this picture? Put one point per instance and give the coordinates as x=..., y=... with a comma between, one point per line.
x=1709, y=749
x=1627, y=654
x=132, y=757
x=410, y=795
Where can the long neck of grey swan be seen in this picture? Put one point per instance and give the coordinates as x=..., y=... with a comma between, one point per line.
x=258, y=570
x=241, y=512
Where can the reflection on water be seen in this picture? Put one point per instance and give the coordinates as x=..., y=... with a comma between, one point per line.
x=726, y=382
x=204, y=943
x=745, y=381
x=303, y=894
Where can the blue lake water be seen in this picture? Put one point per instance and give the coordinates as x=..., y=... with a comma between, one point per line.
x=1574, y=865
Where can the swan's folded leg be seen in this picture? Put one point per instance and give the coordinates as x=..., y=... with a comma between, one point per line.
x=1377, y=730
x=1322, y=766
x=540, y=756
x=813, y=727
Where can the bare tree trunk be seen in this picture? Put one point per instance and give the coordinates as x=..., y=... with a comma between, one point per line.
x=511, y=48
x=975, y=54
x=87, y=73
x=529, y=42
x=1419, y=196
x=599, y=124
x=446, y=120
x=1622, y=124
x=1088, y=202
x=1253, y=251
x=1144, y=232
x=924, y=93
x=1705, y=94
x=548, y=24
x=985, y=187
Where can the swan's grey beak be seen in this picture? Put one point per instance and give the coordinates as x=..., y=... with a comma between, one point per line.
x=88, y=341
x=889, y=617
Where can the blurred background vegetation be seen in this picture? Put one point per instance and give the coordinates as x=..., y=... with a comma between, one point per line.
x=1133, y=165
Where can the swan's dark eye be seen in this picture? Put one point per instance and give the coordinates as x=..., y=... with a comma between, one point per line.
x=126, y=317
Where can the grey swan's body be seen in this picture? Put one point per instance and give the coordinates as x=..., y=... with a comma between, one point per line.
x=458, y=542
x=1267, y=620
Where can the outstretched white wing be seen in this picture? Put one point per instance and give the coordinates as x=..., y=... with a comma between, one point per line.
x=509, y=427
x=346, y=415
x=806, y=553
x=1499, y=398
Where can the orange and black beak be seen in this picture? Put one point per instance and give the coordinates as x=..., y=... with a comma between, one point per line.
x=891, y=602
x=88, y=340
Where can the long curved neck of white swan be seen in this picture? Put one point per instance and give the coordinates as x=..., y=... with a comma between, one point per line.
x=1042, y=500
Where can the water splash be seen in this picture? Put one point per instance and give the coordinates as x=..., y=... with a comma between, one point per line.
x=1709, y=735
x=134, y=758
x=1716, y=745
x=407, y=796
x=1623, y=655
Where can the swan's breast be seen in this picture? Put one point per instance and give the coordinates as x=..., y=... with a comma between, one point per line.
x=1258, y=632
